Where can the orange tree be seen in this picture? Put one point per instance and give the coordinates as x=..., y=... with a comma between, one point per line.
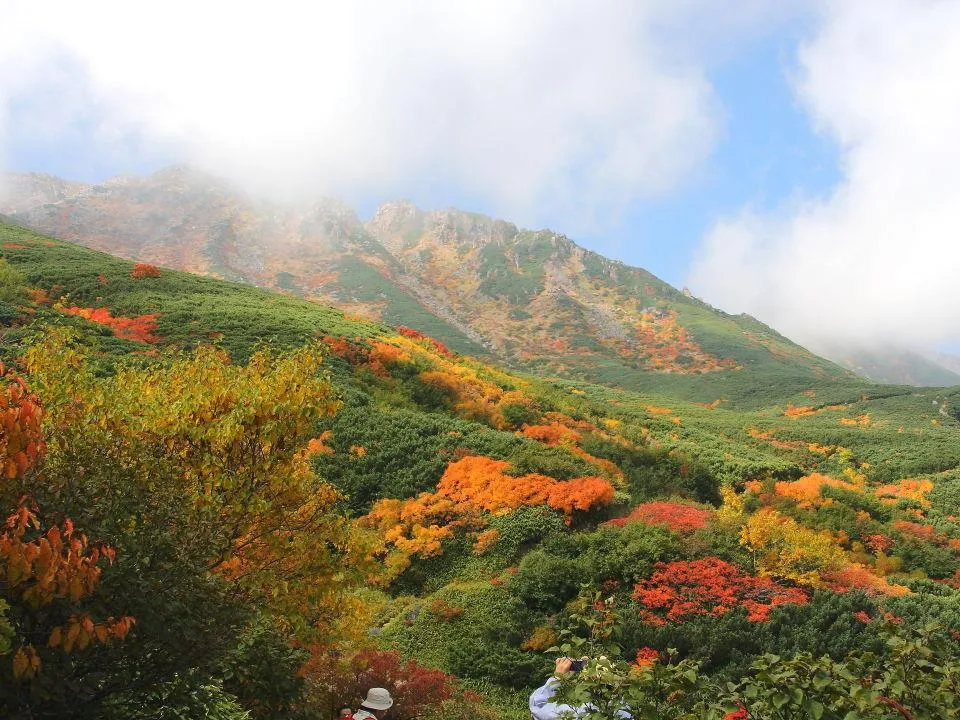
x=198, y=470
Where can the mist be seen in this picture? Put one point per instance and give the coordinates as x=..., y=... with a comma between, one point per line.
x=559, y=112
x=555, y=114
x=875, y=262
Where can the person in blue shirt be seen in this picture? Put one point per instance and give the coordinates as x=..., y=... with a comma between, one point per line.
x=542, y=706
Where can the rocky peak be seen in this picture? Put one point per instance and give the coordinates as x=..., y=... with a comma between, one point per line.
x=397, y=216
x=19, y=191
x=330, y=222
x=473, y=229
x=396, y=224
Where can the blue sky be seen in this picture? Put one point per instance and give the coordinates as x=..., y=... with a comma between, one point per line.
x=766, y=152
x=793, y=160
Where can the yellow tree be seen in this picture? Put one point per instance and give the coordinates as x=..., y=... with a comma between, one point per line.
x=233, y=442
x=781, y=547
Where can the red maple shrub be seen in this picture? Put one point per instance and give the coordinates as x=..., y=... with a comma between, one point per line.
x=414, y=687
x=710, y=586
x=139, y=329
x=677, y=517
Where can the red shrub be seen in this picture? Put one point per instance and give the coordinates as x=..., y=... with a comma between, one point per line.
x=417, y=335
x=139, y=329
x=709, y=586
x=414, y=687
x=674, y=516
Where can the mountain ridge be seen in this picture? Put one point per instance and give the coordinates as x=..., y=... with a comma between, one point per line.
x=529, y=298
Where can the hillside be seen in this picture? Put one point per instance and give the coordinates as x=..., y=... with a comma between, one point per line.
x=531, y=299
x=303, y=503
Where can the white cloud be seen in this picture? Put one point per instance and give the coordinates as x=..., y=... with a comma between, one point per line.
x=877, y=260
x=541, y=109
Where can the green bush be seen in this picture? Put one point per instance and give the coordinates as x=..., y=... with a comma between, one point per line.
x=545, y=582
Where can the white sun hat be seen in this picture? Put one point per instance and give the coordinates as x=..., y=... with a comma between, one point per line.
x=377, y=699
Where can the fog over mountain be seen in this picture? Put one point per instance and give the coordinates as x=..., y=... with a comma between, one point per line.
x=561, y=115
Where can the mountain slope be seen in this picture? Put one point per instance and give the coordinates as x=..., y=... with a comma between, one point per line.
x=490, y=496
x=896, y=366
x=534, y=300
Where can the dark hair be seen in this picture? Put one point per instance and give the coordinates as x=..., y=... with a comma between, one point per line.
x=344, y=707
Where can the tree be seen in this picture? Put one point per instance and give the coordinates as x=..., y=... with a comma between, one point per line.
x=199, y=472
x=781, y=547
x=49, y=568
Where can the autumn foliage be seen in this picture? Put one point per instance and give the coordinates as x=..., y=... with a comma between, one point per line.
x=665, y=345
x=552, y=434
x=414, y=687
x=710, y=586
x=483, y=483
x=144, y=270
x=807, y=490
x=469, y=488
x=21, y=439
x=854, y=576
x=140, y=329
x=678, y=517
x=42, y=564
x=236, y=440
x=433, y=344
x=781, y=547
x=908, y=489
x=57, y=563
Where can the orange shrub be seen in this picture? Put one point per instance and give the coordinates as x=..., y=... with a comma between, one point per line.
x=909, y=489
x=483, y=483
x=806, y=490
x=21, y=442
x=469, y=487
x=139, y=329
x=857, y=577
x=486, y=540
x=144, y=270
x=646, y=657
x=552, y=434
x=801, y=411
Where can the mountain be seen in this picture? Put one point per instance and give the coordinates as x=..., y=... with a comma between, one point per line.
x=948, y=361
x=534, y=300
x=896, y=366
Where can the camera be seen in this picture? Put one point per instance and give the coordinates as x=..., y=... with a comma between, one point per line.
x=577, y=665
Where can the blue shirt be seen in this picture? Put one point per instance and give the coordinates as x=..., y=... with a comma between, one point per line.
x=542, y=706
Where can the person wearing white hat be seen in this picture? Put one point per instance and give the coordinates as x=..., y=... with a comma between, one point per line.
x=374, y=705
